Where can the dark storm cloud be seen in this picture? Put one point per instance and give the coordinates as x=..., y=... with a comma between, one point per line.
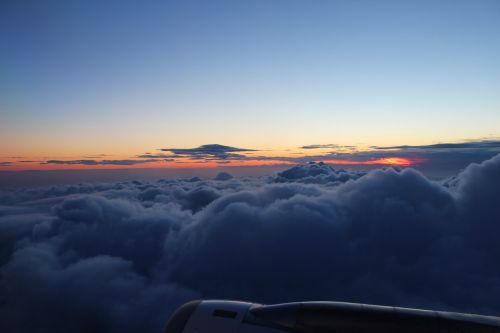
x=210, y=151
x=102, y=162
x=119, y=257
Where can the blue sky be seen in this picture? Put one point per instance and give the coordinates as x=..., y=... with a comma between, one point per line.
x=125, y=77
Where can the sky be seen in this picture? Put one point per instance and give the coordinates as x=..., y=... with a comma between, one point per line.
x=156, y=152
x=111, y=81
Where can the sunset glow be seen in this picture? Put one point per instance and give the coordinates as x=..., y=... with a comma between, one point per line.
x=206, y=85
x=393, y=161
x=190, y=163
x=379, y=161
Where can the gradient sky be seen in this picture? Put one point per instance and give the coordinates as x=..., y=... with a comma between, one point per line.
x=121, y=78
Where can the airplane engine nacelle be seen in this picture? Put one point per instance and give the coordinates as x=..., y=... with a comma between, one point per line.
x=324, y=317
x=216, y=317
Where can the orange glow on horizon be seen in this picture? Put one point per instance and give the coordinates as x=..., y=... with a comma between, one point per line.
x=198, y=164
x=401, y=161
x=393, y=161
x=180, y=164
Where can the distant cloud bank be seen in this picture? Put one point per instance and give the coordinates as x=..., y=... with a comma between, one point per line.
x=449, y=157
x=120, y=257
x=483, y=144
x=102, y=162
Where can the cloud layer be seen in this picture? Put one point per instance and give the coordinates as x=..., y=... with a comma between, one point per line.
x=101, y=162
x=120, y=257
x=483, y=144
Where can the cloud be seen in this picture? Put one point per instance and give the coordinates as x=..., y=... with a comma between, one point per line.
x=484, y=144
x=223, y=176
x=320, y=146
x=5, y=164
x=210, y=151
x=102, y=162
x=160, y=156
x=390, y=237
x=437, y=161
x=119, y=257
x=95, y=156
x=317, y=173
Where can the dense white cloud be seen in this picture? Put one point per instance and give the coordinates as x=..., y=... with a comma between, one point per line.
x=121, y=256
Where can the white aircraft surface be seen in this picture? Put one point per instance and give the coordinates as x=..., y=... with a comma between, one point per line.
x=321, y=317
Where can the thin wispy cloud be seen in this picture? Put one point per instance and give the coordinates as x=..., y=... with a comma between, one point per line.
x=330, y=145
x=95, y=156
x=102, y=162
x=485, y=144
x=160, y=156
